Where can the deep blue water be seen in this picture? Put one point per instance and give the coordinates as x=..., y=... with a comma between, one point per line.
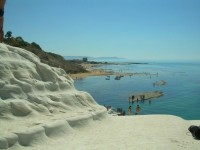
x=181, y=93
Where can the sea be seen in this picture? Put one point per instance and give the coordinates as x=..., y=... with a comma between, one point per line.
x=181, y=91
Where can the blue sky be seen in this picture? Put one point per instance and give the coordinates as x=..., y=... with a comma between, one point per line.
x=134, y=29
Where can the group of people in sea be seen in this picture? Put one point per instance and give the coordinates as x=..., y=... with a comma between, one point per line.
x=138, y=109
x=137, y=98
x=132, y=99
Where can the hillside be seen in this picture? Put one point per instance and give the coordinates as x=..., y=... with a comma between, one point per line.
x=54, y=60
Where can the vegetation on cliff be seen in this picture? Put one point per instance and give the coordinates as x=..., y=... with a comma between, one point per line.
x=54, y=60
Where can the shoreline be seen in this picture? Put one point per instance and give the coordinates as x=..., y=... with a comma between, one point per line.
x=93, y=71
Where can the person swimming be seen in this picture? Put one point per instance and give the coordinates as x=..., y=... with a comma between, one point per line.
x=138, y=109
x=129, y=110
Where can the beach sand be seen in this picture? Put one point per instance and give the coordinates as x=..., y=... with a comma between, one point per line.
x=94, y=71
x=40, y=109
x=91, y=72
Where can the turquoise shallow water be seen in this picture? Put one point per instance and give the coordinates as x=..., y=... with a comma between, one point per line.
x=181, y=93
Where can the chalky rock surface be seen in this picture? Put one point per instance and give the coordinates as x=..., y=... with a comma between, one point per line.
x=33, y=93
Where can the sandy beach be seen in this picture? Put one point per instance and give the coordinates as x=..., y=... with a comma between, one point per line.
x=40, y=109
x=91, y=72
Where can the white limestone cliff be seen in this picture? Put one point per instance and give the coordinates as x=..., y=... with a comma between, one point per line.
x=30, y=91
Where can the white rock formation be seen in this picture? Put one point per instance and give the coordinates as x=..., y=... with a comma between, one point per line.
x=30, y=91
